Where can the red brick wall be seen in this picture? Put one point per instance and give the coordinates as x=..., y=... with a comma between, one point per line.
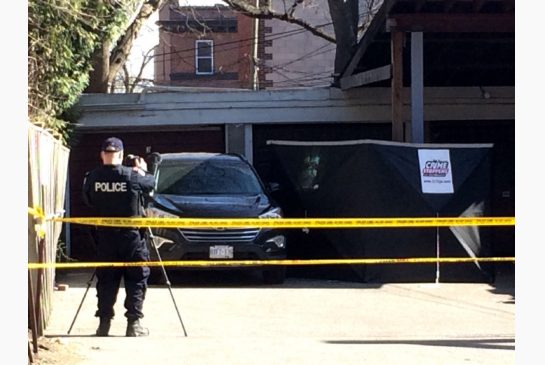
x=232, y=53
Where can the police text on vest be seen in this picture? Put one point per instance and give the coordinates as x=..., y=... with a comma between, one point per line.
x=111, y=187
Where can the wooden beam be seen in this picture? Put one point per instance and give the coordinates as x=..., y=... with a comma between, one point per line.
x=417, y=87
x=369, y=36
x=397, y=86
x=366, y=77
x=453, y=23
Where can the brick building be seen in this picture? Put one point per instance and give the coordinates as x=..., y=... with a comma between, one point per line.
x=293, y=56
x=204, y=46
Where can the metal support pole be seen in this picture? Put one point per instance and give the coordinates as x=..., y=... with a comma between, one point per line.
x=437, y=248
x=248, y=143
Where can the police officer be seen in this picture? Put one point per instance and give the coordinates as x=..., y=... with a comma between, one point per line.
x=114, y=190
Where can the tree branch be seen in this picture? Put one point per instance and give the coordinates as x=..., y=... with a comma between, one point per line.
x=265, y=13
x=138, y=78
x=120, y=53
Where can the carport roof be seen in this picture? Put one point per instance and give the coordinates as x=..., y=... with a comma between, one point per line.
x=450, y=21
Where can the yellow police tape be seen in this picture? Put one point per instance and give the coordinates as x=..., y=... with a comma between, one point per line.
x=223, y=223
x=208, y=263
x=290, y=222
x=36, y=212
x=162, y=222
x=39, y=216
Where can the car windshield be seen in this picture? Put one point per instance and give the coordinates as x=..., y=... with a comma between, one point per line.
x=198, y=177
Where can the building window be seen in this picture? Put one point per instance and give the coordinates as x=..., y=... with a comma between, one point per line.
x=204, y=57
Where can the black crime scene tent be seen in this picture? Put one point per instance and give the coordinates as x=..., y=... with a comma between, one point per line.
x=382, y=179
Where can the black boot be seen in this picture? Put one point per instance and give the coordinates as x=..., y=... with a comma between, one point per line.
x=134, y=329
x=104, y=327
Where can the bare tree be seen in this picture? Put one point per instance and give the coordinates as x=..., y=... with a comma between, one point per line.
x=345, y=17
x=108, y=63
x=263, y=11
x=127, y=82
x=347, y=22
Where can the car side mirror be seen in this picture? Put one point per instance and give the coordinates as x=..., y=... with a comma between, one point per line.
x=153, y=160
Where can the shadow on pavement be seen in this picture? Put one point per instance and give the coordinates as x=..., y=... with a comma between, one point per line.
x=480, y=343
x=504, y=282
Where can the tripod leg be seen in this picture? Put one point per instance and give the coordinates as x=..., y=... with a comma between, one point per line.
x=82, y=299
x=166, y=278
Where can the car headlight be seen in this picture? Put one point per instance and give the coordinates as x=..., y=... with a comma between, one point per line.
x=158, y=213
x=279, y=241
x=273, y=213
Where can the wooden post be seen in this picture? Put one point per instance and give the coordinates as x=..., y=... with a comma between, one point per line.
x=417, y=87
x=30, y=356
x=39, y=287
x=32, y=314
x=397, y=85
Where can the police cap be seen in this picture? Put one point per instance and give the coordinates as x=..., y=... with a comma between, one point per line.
x=112, y=144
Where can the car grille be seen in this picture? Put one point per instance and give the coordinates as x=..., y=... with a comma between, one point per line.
x=220, y=235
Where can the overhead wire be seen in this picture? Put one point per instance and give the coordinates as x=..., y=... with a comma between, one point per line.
x=273, y=36
x=267, y=37
x=250, y=39
x=306, y=56
x=220, y=48
x=302, y=81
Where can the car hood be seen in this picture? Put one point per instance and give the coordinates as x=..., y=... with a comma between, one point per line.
x=213, y=206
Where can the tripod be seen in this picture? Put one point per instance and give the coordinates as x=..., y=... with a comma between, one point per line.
x=90, y=281
x=166, y=278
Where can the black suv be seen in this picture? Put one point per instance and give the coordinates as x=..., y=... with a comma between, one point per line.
x=212, y=185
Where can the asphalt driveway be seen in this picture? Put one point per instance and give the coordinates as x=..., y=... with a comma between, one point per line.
x=238, y=320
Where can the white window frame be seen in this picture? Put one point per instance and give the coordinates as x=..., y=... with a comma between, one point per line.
x=211, y=57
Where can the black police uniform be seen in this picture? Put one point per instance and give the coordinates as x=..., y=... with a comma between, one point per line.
x=115, y=191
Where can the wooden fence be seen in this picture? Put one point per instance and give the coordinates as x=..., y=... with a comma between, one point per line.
x=47, y=176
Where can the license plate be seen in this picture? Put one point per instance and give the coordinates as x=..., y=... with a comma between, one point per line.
x=221, y=252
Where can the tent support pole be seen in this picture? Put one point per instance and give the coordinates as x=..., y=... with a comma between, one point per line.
x=437, y=270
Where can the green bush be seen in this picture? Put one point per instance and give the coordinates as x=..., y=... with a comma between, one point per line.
x=62, y=36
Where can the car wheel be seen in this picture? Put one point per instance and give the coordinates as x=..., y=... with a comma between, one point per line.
x=274, y=276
